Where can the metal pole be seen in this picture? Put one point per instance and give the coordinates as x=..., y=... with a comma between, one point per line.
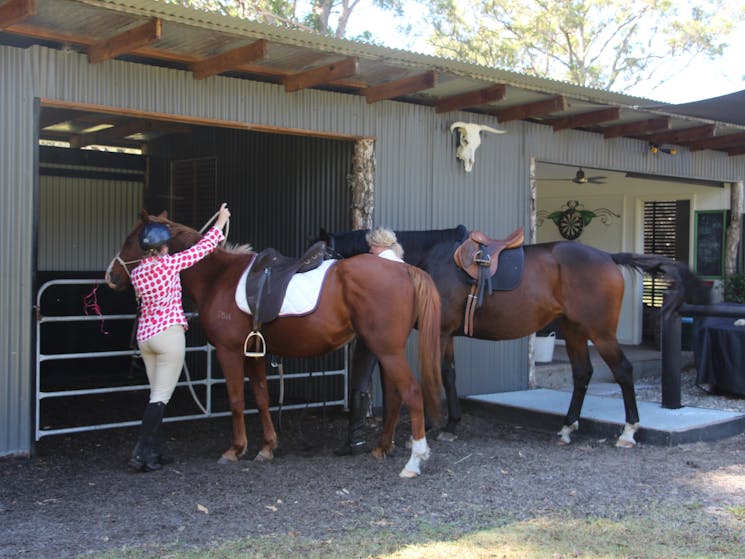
x=671, y=359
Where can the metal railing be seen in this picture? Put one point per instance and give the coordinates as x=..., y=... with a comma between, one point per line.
x=208, y=381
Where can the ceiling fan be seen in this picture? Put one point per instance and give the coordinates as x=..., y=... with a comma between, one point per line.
x=581, y=178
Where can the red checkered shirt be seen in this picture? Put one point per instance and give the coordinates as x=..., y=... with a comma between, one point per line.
x=158, y=285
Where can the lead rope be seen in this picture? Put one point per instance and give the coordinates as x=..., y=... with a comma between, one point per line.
x=186, y=368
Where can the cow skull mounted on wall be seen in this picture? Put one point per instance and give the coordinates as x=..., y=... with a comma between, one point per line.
x=470, y=140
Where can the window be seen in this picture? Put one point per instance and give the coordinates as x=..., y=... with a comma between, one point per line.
x=666, y=232
x=193, y=191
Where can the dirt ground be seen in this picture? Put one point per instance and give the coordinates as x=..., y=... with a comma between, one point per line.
x=76, y=495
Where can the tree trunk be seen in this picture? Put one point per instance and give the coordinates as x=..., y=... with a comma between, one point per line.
x=734, y=230
x=362, y=184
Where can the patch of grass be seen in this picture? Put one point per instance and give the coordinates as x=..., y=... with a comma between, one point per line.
x=737, y=511
x=656, y=533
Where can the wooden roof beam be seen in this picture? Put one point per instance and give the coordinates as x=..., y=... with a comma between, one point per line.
x=536, y=108
x=471, y=99
x=398, y=88
x=346, y=68
x=16, y=10
x=740, y=150
x=126, y=129
x=681, y=136
x=586, y=119
x=732, y=141
x=637, y=127
x=230, y=60
x=125, y=42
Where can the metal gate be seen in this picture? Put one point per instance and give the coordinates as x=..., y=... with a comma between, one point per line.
x=207, y=377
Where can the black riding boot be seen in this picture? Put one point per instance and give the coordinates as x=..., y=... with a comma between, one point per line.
x=146, y=454
x=356, y=444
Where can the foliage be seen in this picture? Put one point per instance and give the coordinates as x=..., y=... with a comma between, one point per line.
x=608, y=44
x=734, y=288
x=328, y=17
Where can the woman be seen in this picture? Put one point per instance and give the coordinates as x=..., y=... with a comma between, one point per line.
x=162, y=325
x=383, y=243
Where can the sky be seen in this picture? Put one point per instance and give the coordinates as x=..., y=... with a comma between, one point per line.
x=701, y=79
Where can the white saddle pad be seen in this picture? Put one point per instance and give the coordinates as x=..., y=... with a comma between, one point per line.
x=302, y=292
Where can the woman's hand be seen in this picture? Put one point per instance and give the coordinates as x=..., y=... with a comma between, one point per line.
x=222, y=216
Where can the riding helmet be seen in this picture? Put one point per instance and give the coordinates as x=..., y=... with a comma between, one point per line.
x=154, y=235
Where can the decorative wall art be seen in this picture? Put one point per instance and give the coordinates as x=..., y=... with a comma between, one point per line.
x=572, y=218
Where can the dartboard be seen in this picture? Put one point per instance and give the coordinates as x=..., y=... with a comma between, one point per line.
x=571, y=224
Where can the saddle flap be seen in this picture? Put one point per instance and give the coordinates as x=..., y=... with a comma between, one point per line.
x=270, y=275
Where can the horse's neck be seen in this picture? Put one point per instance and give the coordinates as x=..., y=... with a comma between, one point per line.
x=204, y=275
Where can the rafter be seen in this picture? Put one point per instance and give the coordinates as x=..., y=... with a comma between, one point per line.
x=129, y=128
x=586, y=119
x=15, y=11
x=471, y=99
x=230, y=60
x=125, y=42
x=681, y=136
x=637, y=127
x=719, y=142
x=398, y=88
x=536, y=108
x=316, y=76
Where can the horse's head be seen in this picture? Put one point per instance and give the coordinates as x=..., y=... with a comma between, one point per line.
x=131, y=253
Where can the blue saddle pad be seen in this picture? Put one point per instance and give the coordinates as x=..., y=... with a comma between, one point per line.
x=510, y=269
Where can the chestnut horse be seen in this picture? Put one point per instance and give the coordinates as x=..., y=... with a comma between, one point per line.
x=579, y=286
x=375, y=299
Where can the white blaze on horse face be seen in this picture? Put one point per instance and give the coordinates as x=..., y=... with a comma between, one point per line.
x=470, y=140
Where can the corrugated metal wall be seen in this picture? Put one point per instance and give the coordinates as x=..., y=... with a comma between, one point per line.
x=83, y=221
x=419, y=183
x=17, y=222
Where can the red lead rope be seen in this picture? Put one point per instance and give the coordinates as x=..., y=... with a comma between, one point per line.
x=90, y=302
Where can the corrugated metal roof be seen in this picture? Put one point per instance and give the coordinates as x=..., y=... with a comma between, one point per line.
x=186, y=37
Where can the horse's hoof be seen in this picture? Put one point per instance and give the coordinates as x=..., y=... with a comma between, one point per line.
x=446, y=436
x=408, y=474
x=625, y=444
x=227, y=459
x=264, y=456
x=378, y=453
x=626, y=438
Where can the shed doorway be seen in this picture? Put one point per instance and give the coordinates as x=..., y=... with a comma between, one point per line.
x=282, y=188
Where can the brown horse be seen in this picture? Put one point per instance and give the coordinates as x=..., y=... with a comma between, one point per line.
x=375, y=299
x=578, y=286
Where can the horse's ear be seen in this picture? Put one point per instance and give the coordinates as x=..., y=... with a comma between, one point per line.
x=144, y=216
x=164, y=214
x=323, y=234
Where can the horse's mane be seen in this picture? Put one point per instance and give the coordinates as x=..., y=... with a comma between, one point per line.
x=179, y=229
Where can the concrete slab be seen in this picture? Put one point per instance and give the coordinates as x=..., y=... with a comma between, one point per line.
x=544, y=409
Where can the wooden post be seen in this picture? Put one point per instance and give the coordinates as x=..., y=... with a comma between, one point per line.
x=734, y=229
x=362, y=184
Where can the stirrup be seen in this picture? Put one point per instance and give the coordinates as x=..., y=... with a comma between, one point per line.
x=262, y=345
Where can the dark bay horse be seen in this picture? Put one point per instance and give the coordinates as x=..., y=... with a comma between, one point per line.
x=378, y=301
x=579, y=286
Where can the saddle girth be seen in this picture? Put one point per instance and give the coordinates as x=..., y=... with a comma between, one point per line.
x=478, y=256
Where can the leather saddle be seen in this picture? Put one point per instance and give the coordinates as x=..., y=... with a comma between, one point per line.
x=270, y=274
x=478, y=256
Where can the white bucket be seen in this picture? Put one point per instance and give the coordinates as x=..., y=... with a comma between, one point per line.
x=544, y=348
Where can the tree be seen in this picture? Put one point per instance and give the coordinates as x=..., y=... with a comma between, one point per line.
x=328, y=17
x=606, y=44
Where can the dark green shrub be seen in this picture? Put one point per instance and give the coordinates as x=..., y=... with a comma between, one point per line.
x=734, y=288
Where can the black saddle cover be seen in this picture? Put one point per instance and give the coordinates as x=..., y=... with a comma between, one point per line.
x=270, y=274
x=510, y=271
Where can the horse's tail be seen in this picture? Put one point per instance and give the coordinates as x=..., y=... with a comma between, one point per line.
x=428, y=324
x=686, y=286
